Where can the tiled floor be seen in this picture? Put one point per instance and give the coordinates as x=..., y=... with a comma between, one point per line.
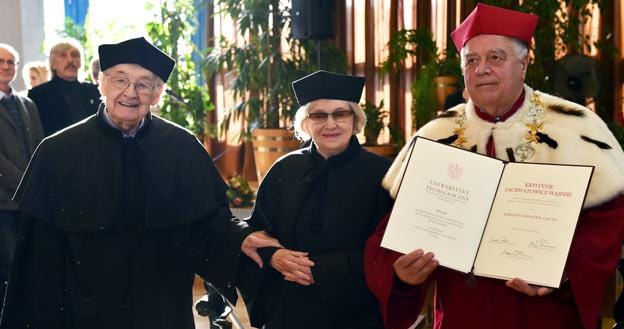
x=198, y=289
x=204, y=322
x=241, y=313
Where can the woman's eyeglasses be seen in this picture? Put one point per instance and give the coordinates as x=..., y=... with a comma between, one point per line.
x=338, y=116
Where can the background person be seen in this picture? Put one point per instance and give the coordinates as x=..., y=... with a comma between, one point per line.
x=35, y=73
x=506, y=119
x=64, y=100
x=20, y=133
x=321, y=202
x=95, y=71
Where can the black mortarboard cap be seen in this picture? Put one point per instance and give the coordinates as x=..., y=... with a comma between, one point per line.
x=328, y=85
x=136, y=51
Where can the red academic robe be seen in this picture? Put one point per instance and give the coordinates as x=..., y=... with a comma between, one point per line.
x=483, y=303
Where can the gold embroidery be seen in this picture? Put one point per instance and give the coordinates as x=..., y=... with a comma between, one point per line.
x=460, y=130
x=536, y=114
x=534, y=128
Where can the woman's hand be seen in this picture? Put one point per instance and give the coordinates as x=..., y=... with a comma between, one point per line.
x=529, y=289
x=414, y=268
x=295, y=266
x=255, y=240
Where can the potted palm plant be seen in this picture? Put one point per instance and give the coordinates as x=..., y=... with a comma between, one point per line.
x=261, y=71
x=439, y=73
x=376, y=118
x=185, y=100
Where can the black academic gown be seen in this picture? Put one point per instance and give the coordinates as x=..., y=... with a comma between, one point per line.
x=113, y=230
x=327, y=208
x=62, y=103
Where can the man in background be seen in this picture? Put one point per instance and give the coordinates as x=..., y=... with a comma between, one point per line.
x=64, y=100
x=20, y=132
x=95, y=71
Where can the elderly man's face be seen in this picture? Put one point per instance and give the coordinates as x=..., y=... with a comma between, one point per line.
x=65, y=64
x=493, y=74
x=130, y=91
x=7, y=67
x=332, y=133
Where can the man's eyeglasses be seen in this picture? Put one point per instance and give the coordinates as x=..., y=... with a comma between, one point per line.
x=9, y=61
x=142, y=87
x=338, y=116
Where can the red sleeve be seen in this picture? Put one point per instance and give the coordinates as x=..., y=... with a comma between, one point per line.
x=594, y=254
x=400, y=304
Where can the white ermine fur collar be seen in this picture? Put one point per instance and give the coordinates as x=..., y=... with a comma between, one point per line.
x=581, y=138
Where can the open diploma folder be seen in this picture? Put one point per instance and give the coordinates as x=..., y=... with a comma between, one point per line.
x=480, y=214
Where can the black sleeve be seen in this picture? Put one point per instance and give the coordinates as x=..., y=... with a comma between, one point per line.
x=225, y=234
x=258, y=285
x=35, y=293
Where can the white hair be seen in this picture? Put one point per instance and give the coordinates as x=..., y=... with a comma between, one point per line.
x=11, y=51
x=301, y=117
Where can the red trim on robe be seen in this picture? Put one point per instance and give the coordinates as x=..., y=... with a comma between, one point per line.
x=594, y=254
x=491, y=146
x=512, y=110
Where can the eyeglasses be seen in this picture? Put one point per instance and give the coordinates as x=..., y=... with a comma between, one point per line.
x=9, y=61
x=338, y=116
x=142, y=87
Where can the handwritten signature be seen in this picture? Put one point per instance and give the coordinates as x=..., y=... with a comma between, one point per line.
x=516, y=254
x=541, y=244
x=501, y=240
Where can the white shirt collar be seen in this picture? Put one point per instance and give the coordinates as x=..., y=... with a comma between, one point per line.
x=3, y=95
x=110, y=122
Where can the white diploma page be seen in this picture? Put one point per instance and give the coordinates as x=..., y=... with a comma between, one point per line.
x=443, y=203
x=532, y=222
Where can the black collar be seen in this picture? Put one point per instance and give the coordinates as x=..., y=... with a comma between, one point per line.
x=114, y=132
x=322, y=165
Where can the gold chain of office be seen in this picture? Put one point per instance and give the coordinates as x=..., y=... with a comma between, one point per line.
x=525, y=150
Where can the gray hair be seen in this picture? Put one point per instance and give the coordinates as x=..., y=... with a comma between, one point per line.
x=11, y=51
x=95, y=69
x=61, y=46
x=302, y=134
x=521, y=50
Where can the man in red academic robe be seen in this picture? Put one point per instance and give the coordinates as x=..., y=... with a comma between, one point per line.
x=506, y=119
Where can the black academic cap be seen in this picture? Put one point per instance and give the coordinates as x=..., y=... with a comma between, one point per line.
x=136, y=51
x=328, y=85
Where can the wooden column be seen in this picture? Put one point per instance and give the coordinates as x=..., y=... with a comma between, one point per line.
x=618, y=61
x=340, y=23
x=451, y=17
x=211, y=117
x=369, y=64
x=397, y=101
x=606, y=108
x=423, y=21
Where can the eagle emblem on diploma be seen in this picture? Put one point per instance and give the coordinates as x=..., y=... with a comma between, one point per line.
x=455, y=170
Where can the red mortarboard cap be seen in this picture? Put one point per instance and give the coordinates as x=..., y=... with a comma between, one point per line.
x=486, y=19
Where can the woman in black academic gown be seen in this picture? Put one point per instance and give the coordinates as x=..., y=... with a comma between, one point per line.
x=321, y=202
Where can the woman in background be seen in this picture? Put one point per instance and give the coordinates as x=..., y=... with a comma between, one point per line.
x=35, y=73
